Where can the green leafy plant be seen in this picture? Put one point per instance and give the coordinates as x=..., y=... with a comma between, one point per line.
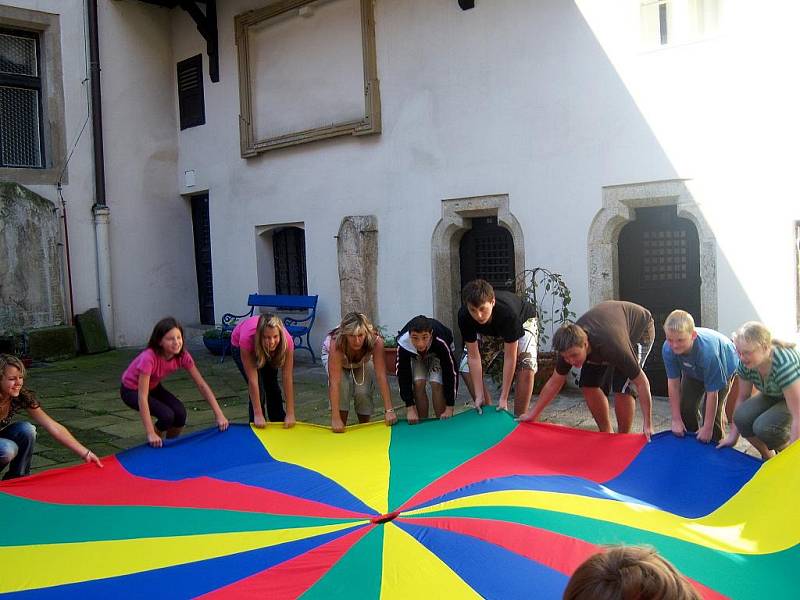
x=551, y=296
x=549, y=293
x=389, y=341
x=217, y=333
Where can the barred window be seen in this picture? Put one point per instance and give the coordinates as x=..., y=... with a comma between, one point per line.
x=487, y=252
x=289, y=250
x=21, y=135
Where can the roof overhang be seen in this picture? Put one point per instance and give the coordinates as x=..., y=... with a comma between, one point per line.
x=204, y=15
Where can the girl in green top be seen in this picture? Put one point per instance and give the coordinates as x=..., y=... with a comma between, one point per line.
x=770, y=420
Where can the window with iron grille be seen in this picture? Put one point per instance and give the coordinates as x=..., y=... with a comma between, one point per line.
x=191, y=103
x=289, y=250
x=21, y=135
x=487, y=252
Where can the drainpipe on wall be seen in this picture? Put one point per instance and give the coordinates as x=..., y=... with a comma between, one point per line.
x=100, y=210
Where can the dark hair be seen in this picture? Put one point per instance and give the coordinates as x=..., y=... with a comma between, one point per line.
x=477, y=292
x=160, y=330
x=569, y=336
x=624, y=572
x=420, y=323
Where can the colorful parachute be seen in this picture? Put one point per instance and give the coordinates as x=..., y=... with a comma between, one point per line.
x=473, y=506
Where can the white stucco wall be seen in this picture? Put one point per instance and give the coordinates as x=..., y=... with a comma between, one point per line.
x=152, y=243
x=78, y=190
x=151, y=236
x=545, y=101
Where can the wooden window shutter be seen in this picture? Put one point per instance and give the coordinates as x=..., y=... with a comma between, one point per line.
x=191, y=103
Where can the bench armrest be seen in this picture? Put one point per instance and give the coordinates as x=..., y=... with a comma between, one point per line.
x=292, y=321
x=230, y=319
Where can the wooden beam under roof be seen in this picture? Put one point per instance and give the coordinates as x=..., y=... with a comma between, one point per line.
x=206, y=22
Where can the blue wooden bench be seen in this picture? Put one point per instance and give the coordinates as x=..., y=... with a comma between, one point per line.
x=298, y=328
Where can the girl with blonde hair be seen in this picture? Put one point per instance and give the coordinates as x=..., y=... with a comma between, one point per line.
x=770, y=419
x=354, y=360
x=262, y=347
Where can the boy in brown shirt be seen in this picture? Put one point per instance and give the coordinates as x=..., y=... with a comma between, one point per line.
x=609, y=344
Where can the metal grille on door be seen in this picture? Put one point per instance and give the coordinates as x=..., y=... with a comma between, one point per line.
x=659, y=267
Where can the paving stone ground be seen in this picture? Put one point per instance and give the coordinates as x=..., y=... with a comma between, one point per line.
x=83, y=394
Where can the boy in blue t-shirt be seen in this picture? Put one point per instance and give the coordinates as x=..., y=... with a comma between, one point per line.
x=700, y=363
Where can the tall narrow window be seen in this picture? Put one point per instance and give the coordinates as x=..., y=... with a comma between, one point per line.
x=21, y=135
x=668, y=22
x=191, y=102
x=662, y=22
x=289, y=250
x=655, y=22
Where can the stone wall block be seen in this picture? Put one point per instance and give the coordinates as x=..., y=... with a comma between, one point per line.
x=357, y=251
x=31, y=283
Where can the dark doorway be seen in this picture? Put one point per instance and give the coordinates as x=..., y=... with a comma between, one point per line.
x=202, y=258
x=289, y=250
x=487, y=252
x=659, y=267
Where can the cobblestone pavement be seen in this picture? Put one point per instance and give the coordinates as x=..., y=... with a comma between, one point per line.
x=83, y=394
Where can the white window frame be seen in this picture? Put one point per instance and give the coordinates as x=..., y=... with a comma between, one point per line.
x=685, y=22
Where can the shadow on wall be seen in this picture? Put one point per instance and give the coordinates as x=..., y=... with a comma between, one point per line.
x=735, y=307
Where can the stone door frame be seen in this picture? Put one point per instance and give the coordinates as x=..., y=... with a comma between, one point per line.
x=619, y=204
x=445, y=241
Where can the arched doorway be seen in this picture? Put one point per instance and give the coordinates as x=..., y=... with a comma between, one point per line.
x=458, y=216
x=659, y=268
x=486, y=252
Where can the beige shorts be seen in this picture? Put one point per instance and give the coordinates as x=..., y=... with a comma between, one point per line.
x=357, y=385
x=492, y=347
x=427, y=369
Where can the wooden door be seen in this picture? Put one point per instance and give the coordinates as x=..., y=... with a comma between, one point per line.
x=659, y=267
x=201, y=226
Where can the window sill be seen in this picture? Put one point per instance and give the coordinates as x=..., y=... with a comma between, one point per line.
x=31, y=176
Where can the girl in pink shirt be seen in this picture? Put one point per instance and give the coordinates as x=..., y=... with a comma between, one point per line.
x=261, y=346
x=142, y=390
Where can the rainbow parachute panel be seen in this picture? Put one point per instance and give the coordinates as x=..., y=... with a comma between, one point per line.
x=476, y=506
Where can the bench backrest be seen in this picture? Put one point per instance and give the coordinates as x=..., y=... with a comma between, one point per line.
x=283, y=302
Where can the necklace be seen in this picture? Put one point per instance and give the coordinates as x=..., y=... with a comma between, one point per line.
x=363, y=374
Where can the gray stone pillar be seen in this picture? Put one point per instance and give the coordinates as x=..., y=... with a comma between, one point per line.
x=31, y=285
x=357, y=251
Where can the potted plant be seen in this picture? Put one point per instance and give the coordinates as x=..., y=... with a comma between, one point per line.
x=389, y=350
x=217, y=340
x=551, y=296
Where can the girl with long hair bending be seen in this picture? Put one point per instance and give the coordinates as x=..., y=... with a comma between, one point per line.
x=354, y=359
x=141, y=387
x=17, y=439
x=261, y=347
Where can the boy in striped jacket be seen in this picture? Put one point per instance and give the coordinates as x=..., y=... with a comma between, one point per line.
x=425, y=354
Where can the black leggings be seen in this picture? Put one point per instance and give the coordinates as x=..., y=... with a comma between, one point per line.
x=166, y=408
x=268, y=389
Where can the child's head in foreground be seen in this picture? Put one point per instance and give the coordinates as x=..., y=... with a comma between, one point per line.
x=628, y=573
